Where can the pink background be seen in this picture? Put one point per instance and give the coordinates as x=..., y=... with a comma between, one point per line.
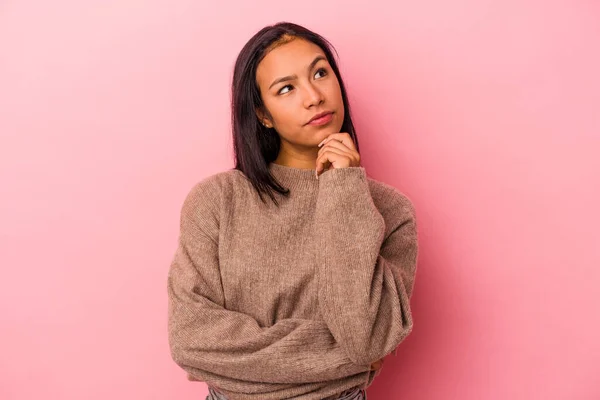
x=486, y=113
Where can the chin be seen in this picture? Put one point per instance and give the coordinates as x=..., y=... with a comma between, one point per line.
x=323, y=133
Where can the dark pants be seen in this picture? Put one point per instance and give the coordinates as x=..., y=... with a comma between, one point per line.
x=350, y=394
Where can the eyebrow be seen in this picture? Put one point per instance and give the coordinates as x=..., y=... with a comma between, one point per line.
x=291, y=77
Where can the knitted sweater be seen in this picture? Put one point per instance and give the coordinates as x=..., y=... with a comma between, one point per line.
x=291, y=302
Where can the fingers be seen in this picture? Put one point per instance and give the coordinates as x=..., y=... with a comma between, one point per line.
x=343, y=137
x=335, y=157
x=338, y=145
x=336, y=153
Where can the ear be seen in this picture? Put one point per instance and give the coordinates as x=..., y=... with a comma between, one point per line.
x=263, y=119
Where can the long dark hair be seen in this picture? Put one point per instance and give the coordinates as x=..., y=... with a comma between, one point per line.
x=255, y=145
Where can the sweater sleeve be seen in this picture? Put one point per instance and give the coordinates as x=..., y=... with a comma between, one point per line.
x=366, y=263
x=229, y=348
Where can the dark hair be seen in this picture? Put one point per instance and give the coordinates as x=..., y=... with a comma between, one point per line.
x=255, y=145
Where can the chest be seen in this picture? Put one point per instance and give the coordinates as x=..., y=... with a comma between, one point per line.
x=267, y=261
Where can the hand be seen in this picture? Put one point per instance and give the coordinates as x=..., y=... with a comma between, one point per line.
x=376, y=366
x=337, y=151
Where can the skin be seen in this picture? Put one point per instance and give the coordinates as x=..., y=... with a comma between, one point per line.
x=292, y=103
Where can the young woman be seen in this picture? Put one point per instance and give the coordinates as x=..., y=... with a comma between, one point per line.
x=303, y=294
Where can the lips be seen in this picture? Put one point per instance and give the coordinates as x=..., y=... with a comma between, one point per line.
x=319, y=116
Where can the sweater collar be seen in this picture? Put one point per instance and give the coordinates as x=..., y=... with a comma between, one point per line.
x=294, y=178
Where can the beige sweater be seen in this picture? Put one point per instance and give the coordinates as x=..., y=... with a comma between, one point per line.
x=296, y=301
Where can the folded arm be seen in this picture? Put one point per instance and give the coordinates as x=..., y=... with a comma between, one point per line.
x=366, y=264
x=211, y=342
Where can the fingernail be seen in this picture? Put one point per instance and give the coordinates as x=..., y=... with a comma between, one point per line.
x=319, y=145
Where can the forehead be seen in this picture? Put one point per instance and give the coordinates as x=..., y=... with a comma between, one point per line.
x=286, y=59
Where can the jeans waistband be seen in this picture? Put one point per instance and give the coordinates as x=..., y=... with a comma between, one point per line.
x=355, y=393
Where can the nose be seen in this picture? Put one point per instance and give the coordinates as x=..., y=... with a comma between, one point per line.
x=312, y=96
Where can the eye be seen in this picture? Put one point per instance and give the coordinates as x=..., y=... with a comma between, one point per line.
x=280, y=90
x=322, y=69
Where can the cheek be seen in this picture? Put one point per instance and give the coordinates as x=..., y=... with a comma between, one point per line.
x=288, y=113
x=335, y=91
x=285, y=113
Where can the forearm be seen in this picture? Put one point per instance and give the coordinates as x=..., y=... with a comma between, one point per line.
x=363, y=284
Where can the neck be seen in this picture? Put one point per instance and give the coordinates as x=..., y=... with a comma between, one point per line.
x=293, y=177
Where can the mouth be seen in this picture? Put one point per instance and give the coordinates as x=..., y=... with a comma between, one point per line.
x=321, y=118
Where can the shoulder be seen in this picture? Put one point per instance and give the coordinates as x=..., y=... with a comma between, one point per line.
x=212, y=187
x=206, y=199
x=390, y=201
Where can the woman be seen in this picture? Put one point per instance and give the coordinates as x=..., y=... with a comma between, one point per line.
x=304, y=295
